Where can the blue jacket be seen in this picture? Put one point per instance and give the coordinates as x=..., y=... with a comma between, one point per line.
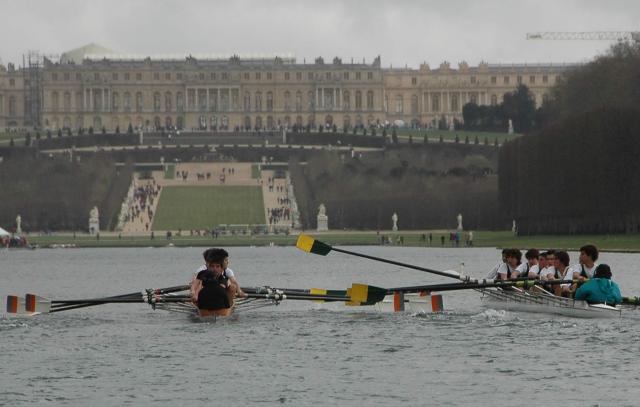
x=599, y=290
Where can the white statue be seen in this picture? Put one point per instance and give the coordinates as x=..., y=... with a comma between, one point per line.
x=459, y=217
x=94, y=221
x=510, y=126
x=394, y=218
x=451, y=125
x=323, y=219
x=18, y=224
x=514, y=228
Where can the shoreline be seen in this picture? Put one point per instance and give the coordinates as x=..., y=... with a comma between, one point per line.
x=620, y=243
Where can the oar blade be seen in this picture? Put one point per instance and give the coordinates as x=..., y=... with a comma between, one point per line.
x=18, y=306
x=363, y=294
x=37, y=304
x=310, y=245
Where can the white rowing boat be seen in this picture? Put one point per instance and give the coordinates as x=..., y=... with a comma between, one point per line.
x=541, y=301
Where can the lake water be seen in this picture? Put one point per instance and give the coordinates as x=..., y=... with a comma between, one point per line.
x=302, y=353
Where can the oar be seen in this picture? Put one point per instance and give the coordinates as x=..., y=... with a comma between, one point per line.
x=358, y=294
x=35, y=304
x=475, y=285
x=311, y=245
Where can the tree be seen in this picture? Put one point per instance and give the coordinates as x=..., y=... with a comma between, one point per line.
x=90, y=129
x=425, y=139
x=130, y=129
x=104, y=130
x=441, y=139
x=410, y=139
x=466, y=139
x=476, y=141
x=69, y=131
x=457, y=140
x=118, y=130
x=59, y=133
x=11, y=142
x=394, y=136
x=520, y=107
x=49, y=134
x=27, y=140
x=38, y=135
x=373, y=131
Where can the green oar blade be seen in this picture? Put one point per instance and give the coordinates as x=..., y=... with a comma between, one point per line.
x=311, y=245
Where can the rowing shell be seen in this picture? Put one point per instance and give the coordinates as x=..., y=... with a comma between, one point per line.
x=541, y=301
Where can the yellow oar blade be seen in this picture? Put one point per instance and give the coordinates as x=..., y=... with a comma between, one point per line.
x=311, y=245
x=362, y=294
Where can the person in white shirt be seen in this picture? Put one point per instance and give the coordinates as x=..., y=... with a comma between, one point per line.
x=504, y=270
x=563, y=272
x=227, y=273
x=529, y=268
x=587, y=263
x=549, y=272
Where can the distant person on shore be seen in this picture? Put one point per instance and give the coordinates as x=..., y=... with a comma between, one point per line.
x=600, y=289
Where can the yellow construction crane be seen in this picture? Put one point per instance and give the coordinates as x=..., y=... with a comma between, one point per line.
x=586, y=35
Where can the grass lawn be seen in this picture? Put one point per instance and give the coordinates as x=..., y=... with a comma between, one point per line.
x=170, y=173
x=255, y=171
x=206, y=207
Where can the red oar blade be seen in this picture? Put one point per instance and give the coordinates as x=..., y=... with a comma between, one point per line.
x=35, y=303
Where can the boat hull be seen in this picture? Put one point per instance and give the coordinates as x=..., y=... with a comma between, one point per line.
x=547, y=304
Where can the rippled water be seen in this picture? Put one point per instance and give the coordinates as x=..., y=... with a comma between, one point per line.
x=302, y=353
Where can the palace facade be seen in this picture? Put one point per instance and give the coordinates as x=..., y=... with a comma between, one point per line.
x=113, y=91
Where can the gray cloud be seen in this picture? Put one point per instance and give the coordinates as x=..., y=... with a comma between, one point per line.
x=402, y=32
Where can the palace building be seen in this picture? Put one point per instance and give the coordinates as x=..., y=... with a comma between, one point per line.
x=94, y=87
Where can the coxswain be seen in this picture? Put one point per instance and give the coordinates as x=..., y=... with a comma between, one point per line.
x=600, y=289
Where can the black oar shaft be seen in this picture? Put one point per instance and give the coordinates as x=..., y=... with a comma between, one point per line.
x=396, y=263
x=477, y=285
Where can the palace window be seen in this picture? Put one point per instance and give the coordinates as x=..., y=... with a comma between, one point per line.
x=214, y=76
x=114, y=76
x=54, y=76
x=201, y=76
x=473, y=79
x=519, y=79
x=298, y=101
x=156, y=76
x=179, y=76
x=247, y=101
x=127, y=77
x=287, y=100
x=399, y=104
x=474, y=98
x=138, y=76
x=414, y=104
x=545, y=79
x=287, y=76
x=346, y=100
x=299, y=76
x=435, y=103
x=494, y=80
x=494, y=100
x=167, y=76
x=269, y=101
x=258, y=76
x=269, y=76
x=506, y=80
x=345, y=76
x=96, y=76
x=78, y=77
x=12, y=105
x=54, y=100
x=66, y=101
x=327, y=76
x=246, y=76
x=369, y=75
x=370, y=100
x=225, y=76
x=532, y=79
x=454, y=103
x=12, y=82
x=66, y=76
x=258, y=101
x=156, y=101
x=557, y=78
x=414, y=81
x=358, y=76
x=358, y=100
x=310, y=76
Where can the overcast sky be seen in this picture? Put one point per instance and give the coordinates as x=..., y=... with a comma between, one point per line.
x=402, y=32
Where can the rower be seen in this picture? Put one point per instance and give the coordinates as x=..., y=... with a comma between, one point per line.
x=222, y=255
x=504, y=270
x=212, y=292
x=529, y=268
x=587, y=263
x=549, y=271
x=600, y=289
x=562, y=272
